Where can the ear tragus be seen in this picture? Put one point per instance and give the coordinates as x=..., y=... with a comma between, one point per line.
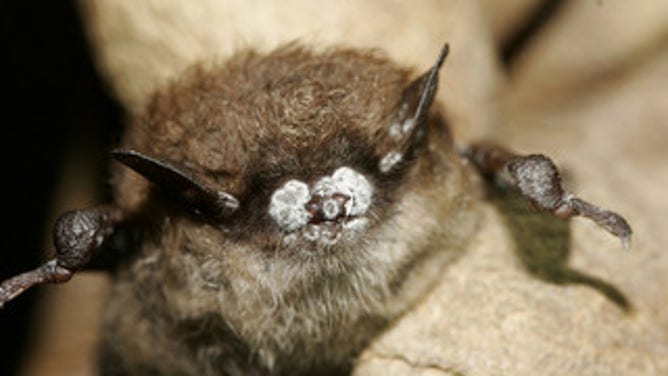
x=179, y=182
x=406, y=129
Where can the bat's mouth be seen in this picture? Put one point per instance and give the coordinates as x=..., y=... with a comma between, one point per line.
x=331, y=209
x=331, y=232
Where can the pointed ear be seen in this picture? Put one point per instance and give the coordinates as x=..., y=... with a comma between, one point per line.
x=179, y=182
x=407, y=128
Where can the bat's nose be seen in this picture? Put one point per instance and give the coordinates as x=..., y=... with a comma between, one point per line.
x=331, y=207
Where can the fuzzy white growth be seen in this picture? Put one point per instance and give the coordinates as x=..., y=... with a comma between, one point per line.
x=389, y=161
x=346, y=193
x=289, y=238
x=322, y=233
x=408, y=125
x=227, y=200
x=353, y=184
x=312, y=233
x=324, y=187
x=395, y=131
x=287, y=206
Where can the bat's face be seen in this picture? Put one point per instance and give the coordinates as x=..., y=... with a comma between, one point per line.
x=294, y=187
x=315, y=161
x=291, y=150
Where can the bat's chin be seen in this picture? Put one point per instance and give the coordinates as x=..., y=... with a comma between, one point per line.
x=328, y=233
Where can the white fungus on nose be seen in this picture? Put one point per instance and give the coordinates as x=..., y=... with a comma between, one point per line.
x=353, y=184
x=390, y=160
x=288, y=203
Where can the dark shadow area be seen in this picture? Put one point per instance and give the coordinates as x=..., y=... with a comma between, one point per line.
x=542, y=244
x=516, y=43
x=53, y=103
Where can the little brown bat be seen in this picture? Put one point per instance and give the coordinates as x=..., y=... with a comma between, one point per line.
x=281, y=210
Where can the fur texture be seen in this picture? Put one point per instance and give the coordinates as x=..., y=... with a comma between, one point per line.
x=231, y=296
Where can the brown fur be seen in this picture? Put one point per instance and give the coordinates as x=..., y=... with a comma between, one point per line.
x=205, y=297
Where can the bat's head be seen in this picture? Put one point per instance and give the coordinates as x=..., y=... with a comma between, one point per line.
x=295, y=153
x=293, y=194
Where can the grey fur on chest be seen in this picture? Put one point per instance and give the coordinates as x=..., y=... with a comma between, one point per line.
x=199, y=313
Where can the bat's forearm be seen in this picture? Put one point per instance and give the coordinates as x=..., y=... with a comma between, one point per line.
x=77, y=235
x=536, y=176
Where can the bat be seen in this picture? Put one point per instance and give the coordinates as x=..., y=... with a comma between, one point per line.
x=275, y=213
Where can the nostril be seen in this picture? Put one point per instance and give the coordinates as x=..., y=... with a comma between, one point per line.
x=327, y=208
x=313, y=207
x=331, y=208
